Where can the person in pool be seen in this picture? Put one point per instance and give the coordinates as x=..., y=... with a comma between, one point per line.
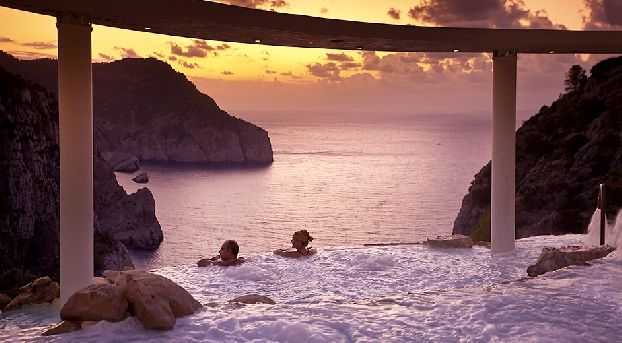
x=228, y=256
x=300, y=241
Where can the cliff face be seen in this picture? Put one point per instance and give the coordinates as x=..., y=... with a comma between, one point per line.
x=562, y=154
x=29, y=188
x=145, y=108
x=29, y=174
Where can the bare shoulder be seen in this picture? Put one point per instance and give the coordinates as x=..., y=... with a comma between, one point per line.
x=287, y=253
x=204, y=262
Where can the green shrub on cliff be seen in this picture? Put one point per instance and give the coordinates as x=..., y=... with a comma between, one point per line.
x=481, y=231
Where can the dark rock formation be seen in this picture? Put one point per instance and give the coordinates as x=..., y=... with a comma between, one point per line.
x=556, y=258
x=29, y=188
x=155, y=300
x=29, y=174
x=453, y=241
x=4, y=300
x=141, y=178
x=253, y=299
x=42, y=290
x=64, y=327
x=562, y=154
x=122, y=162
x=130, y=218
x=144, y=108
x=96, y=302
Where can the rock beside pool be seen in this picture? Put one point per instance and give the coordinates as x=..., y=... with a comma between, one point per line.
x=155, y=300
x=556, y=258
x=141, y=178
x=253, y=299
x=453, y=241
x=64, y=327
x=41, y=290
x=101, y=301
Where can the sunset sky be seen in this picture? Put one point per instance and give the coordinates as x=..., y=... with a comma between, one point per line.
x=243, y=77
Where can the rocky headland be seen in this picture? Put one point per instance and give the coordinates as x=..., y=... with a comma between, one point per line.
x=144, y=108
x=562, y=154
x=29, y=192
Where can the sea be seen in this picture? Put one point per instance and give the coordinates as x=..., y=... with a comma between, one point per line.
x=352, y=181
x=349, y=179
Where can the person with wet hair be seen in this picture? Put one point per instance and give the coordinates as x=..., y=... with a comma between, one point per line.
x=300, y=242
x=228, y=256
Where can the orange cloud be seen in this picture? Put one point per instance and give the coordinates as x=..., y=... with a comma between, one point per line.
x=127, y=52
x=258, y=3
x=394, y=13
x=480, y=13
x=40, y=45
x=603, y=15
x=342, y=57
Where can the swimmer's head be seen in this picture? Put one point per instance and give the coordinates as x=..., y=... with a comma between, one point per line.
x=301, y=239
x=229, y=250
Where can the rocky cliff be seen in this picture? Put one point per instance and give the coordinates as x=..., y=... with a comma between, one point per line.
x=145, y=108
x=562, y=154
x=29, y=189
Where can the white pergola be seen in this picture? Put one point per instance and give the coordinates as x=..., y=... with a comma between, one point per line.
x=214, y=21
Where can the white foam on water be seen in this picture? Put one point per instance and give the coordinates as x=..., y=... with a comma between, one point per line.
x=613, y=232
x=388, y=294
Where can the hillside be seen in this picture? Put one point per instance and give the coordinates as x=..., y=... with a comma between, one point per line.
x=562, y=154
x=145, y=108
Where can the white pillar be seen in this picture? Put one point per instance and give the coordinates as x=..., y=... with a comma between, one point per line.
x=75, y=103
x=503, y=152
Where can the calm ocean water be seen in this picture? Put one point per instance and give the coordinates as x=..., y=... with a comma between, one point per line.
x=347, y=181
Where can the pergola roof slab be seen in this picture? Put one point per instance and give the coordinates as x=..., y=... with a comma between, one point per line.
x=221, y=22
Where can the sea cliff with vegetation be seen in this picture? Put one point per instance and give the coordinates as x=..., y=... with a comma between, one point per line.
x=29, y=193
x=563, y=153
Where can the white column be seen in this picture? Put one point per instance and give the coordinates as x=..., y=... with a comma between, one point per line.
x=75, y=103
x=503, y=152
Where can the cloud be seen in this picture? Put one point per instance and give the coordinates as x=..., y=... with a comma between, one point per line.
x=603, y=14
x=227, y=72
x=127, y=52
x=40, y=45
x=290, y=74
x=349, y=65
x=342, y=57
x=198, y=48
x=481, y=13
x=394, y=13
x=258, y=3
x=30, y=55
x=186, y=64
x=6, y=40
x=159, y=55
x=323, y=10
x=328, y=71
x=270, y=71
x=191, y=51
x=105, y=57
x=172, y=58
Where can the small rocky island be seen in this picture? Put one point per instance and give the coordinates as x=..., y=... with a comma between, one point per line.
x=562, y=154
x=144, y=108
